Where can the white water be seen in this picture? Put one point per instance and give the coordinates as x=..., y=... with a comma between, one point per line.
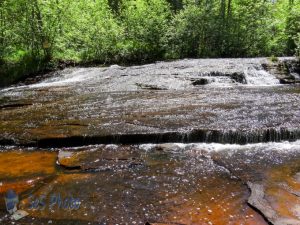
x=270, y=146
x=253, y=77
x=70, y=76
x=177, y=75
x=260, y=78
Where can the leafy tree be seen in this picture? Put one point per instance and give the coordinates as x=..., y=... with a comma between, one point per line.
x=292, y=28
x=145, y=23
x=92, y=31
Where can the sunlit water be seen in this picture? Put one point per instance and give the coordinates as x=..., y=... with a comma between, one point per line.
x=133, y=175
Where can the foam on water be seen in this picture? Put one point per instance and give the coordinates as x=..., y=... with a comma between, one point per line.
x=259, y=77
x=176, y=75
x=69, y=77
x=209, y=147
x=254, y=77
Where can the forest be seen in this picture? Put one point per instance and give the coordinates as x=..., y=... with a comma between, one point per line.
x=38, y=35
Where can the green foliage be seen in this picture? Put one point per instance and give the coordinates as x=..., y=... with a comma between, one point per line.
x=297, y=41
x=136, y=31
x=145, y=23
x=97, y=32
x=273, y=58
x=26, y=65
x=292, y=29
x=183, y=38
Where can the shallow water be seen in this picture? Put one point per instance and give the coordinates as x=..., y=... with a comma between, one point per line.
x=137, y=145
x=165, y=183
x=227, y=115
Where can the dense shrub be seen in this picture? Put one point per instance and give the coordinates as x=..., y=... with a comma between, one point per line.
x=145, y=24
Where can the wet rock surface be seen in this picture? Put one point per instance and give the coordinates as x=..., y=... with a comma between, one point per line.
x=173, y=184
x=151, y=104
x=214, y=115
x=274, y=192
x=287, y=71
x=100, y=159
x=25, y=171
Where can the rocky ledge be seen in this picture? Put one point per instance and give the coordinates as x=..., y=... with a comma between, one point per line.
x=162, y=102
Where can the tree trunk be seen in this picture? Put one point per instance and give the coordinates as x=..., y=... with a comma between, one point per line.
x=229, y=10
x=43, y=38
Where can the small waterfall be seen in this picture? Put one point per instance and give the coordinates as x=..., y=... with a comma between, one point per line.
x=194, y=136
x=259, y=77
x=283, y=147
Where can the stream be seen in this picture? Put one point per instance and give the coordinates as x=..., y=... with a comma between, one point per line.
x=194, y=141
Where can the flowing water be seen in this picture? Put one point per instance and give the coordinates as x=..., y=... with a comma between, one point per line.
x=209, y=141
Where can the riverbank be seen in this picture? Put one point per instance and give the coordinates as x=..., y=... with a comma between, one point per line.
x=30, y=70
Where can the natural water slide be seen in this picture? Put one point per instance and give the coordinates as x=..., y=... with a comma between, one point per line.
x=195, y=141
